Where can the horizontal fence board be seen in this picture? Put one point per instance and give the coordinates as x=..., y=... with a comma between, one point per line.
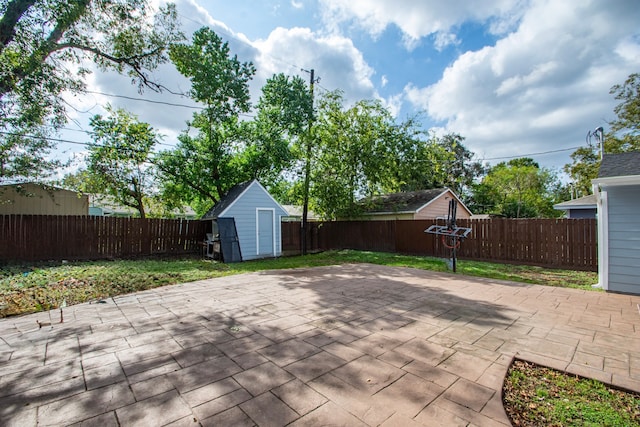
x=49, y=237
x=555, y=243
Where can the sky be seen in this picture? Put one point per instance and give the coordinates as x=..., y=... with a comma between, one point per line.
x=515, y=78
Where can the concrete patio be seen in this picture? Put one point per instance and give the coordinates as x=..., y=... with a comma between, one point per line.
x=348, y=345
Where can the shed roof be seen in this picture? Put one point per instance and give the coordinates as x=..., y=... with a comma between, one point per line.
x=235, y=193
x=620, y=164
x=227, y=200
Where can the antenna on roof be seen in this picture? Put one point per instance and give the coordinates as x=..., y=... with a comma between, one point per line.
x=598, y=133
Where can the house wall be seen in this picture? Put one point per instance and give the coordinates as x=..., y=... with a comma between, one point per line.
x=582, y=213
x=244, y=212
x=439, y=208
x=35, y=200
x=624, y=238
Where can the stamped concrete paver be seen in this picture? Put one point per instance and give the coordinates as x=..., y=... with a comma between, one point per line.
x=343, y=345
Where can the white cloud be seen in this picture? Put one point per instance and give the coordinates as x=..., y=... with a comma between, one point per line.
x=394, y=104
x=417, y=19
x=444, y=39
x=297, y=4
x=542, y=86
x=334, y=58
x=383, y=81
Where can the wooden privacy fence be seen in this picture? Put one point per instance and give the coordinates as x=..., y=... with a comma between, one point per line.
x=47, y=237
x=558, y=243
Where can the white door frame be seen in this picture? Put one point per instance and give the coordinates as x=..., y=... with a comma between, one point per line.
x=273, y=229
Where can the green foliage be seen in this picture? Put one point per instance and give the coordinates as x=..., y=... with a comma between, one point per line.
x=362, y=151
x=218, y=80
x=224, y=150
x=118, y=163
x=627, y=112
x=43, y=45
x=460, y=170
x=624, y=136
x=519, y=188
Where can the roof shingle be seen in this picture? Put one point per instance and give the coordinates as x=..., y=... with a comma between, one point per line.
x=224, y=202
x=409, y=201
x=620, y=164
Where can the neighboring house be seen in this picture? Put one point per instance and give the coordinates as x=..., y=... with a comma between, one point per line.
x=582, y=207
x=617, y=191
x=295, y=214
x=248, y=222
x=102, y=205
x=423, y=204
x=40, y=199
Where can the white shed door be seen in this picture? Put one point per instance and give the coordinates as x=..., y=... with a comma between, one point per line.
x=265, y=232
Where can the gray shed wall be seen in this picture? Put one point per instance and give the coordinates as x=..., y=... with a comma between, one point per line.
x=624, y=238
x=244, y=210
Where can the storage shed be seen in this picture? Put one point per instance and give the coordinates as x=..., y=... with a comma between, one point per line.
x=247, y=223
x=617, y=191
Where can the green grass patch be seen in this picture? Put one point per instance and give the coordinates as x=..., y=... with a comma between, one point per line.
x=539, y=396
x=31, y=287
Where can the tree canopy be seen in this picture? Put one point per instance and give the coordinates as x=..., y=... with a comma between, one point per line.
x=119, y=161
x=46, y=48
x=519, y=188
x=362, y=151
x=623, y=136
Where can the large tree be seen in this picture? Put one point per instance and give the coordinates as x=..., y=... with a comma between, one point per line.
x=280, y=130
x=362, y=151
x=200, y=169
x=45, y=50
x=459, y=167
x=119, y=160
x=623, y=136
x=519, y=188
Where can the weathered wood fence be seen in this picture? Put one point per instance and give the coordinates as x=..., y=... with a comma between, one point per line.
x=48, y=237
x=557, y=243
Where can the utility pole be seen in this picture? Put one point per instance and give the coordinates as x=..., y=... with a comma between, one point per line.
x=307, y=168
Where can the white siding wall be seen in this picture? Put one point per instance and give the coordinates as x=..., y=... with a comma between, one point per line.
x=624, y=238
x=244, y=212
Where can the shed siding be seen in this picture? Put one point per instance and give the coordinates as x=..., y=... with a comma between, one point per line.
x=624, y=239
x=244, y=210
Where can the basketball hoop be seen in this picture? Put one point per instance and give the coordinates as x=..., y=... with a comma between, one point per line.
x=450, y=233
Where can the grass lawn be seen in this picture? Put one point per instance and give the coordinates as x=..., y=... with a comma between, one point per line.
x=27, y=288
x=539, y=396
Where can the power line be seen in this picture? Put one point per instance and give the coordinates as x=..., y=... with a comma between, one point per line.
x=532, y=154
x=172, y=104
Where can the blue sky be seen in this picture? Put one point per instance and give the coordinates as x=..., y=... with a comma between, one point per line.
x=514, y=77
